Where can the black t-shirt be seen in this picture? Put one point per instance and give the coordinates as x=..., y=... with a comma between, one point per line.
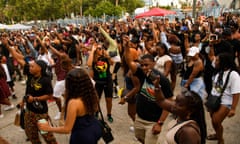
x=38, y=87
x=222, y=47
x=236, y=45
x=146, y=105
x=101, y=70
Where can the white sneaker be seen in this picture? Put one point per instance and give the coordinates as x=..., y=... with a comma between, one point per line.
x=131, y=128
x=58, y=116
x=1, y=115
x=115, y=96
x=9, y=107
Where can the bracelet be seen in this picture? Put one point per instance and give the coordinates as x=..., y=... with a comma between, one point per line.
x=125, y=97
x=35, y=99
x=160, y=122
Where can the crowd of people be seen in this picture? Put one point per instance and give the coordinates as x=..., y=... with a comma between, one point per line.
x=152, y=53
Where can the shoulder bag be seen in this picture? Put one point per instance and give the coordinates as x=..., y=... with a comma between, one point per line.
x=213, y=102
x=106, y=130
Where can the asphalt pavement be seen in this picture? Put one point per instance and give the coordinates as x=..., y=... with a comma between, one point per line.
x=120, y=127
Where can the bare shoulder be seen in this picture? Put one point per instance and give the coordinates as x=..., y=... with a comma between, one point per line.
x=189, y=133
x=191, y=128
x=76, y=102
x=78, y=105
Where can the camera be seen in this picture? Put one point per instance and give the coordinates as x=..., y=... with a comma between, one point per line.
x=213, y=37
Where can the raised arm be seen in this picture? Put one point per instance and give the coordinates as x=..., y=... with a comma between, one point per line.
x=19, y=57
x=128, y=57
x=164, y=103
x=112, y=42
x=55, y=51
x=91, y=56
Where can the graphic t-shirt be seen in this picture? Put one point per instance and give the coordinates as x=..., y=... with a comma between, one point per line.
x=147, y=108
x=101, y=70
x=38, y=87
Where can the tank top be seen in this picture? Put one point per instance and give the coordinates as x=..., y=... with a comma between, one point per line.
x=173, y=128
x=86, y=130
x=189, y=71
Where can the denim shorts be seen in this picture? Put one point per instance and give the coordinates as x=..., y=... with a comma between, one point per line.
x=228, y=106
x=197, y=86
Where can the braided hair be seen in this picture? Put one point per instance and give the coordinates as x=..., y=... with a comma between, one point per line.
x=195, y=104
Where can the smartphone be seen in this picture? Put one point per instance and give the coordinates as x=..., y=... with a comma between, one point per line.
x=152, y=76
x=219, y=30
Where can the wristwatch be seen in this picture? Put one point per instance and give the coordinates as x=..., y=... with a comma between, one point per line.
x=160, y=122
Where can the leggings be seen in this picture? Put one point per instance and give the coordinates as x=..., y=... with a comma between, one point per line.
x=115, y=70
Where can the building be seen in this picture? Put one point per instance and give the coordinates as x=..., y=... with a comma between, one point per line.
x=172, y=3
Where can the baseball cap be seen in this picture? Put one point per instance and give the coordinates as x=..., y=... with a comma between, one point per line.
x=193, y=51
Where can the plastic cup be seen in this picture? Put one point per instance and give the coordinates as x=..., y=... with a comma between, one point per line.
x=43, y=121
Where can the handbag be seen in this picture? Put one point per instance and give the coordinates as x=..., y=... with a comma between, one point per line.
x=106, y=130
x=213, y=102
x=22, y=114
x=17, y=118
x=37, y=105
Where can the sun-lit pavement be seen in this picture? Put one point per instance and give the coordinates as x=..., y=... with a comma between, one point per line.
x=120, y=126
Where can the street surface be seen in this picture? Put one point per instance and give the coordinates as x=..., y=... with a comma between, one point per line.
x=120, y=126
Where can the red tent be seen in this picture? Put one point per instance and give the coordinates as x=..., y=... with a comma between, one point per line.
x=155, y=12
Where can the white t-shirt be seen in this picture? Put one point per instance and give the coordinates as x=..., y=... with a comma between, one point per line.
x=232, y=87
x=160, y=62
x=46, y=58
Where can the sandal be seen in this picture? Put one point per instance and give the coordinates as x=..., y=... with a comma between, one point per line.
x=212, y=137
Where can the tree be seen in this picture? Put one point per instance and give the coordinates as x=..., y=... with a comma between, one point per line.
x=18, y=10
x=104, y=7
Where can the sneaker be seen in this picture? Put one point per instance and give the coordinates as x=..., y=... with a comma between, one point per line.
x=9, y=107
x=58, y=116
x=1, y=115
x=14, y=96
x=131, y=128
x=115, y=96
x=110, y=119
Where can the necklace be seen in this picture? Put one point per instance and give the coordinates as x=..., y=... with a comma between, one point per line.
x=35, y=83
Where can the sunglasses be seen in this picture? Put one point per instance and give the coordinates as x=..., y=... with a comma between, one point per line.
x=99, y=48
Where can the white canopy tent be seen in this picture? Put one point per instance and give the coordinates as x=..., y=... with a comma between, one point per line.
x=18, y=27
x=3, y=26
